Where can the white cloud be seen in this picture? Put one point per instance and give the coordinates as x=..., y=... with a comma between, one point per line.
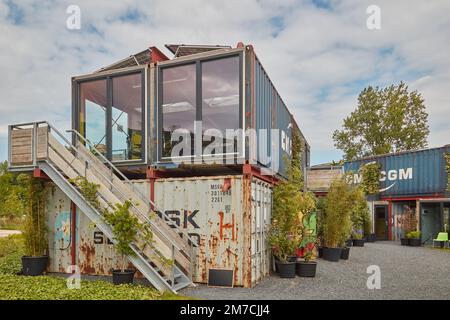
x=319, y=60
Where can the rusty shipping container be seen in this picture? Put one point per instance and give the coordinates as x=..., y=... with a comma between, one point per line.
x=228, y=215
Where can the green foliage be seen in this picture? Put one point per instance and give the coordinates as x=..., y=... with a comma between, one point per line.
x=360, y=213
x=447, y=169
x=357, y=235
x=290, y=204
x=55, y=288
x=88, y=189
x=413, y=235
x=336, y=222
x=35, y=227
x=11, y=251
x=370, y=177
x=321, y=205
x=125, y=227
x=308, y=251
x=13, y=198
x=386, y=120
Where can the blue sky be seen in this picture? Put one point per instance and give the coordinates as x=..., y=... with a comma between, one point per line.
x=318, y=53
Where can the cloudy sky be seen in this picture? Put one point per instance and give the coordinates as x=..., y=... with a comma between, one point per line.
x=320, y=54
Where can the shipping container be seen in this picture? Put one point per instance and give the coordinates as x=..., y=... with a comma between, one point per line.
x=130, y=110
x=229, y=217
x=412, y=173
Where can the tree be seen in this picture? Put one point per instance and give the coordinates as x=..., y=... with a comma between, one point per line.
x=390, y=119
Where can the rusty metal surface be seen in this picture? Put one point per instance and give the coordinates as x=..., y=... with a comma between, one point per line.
x=59, y=231
x=225, y=215
x=95, y=254
x=228, y=215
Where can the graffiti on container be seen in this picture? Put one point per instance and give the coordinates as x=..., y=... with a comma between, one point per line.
x=62, y=230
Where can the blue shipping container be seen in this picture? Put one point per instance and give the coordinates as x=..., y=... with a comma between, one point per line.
x=409, y=173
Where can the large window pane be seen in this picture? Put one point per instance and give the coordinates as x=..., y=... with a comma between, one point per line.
x=126, y=122
x=220, y=97
x=93, y=103
x=178, y=104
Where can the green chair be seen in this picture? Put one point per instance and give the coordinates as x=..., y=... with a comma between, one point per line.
x=442, y=237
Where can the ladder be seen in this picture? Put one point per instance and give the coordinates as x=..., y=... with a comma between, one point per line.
x=40, y=145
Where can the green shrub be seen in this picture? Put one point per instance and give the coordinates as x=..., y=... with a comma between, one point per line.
x=413, y=235
x=11, y=251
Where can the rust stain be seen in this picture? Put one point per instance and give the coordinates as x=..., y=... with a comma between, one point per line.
x=223, y=226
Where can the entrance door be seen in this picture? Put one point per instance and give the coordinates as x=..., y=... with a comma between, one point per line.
x=381, y=222
x=430, y=221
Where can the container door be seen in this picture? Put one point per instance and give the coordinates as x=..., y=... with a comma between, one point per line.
x=381, y=222
x=430, y=221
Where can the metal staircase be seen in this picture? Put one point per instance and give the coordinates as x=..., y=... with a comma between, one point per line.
x=40, y=145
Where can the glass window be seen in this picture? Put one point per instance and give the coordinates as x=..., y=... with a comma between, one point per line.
x=220, y=98
x=178, y=104
x=126, y=122
x=93, y=104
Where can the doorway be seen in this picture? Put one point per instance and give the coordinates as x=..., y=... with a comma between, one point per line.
x=381, y=222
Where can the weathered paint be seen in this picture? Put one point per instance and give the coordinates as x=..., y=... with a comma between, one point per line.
x=59, y=231
x=94, y=254
x=419, y=172
x=229, y=217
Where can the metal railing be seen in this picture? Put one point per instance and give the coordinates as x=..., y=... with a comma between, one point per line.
x=89, y=163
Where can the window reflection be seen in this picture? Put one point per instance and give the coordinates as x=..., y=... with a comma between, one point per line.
x=178, y=103
x=93, y=103
x=126, y=122
x=220, y=98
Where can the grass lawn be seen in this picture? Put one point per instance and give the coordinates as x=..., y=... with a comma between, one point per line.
x=13, y=286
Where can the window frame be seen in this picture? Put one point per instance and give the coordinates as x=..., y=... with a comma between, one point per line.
x=109, y=76
x=198, y=108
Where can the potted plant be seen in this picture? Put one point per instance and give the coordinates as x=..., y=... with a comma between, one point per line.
x=408, y=224
x=414, y=238
x=34, y=195
x=336, y=220
x=289, y=205
x=126, y=229
x=307, y=267
x=283, y=248
x=358, y=239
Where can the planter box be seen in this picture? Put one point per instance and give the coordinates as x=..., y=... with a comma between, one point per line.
x=286, y=269
x=345, y=253
x=404, y=241
x=306, y=269
x=358, y=242
x=414, y=242
x=332, y=254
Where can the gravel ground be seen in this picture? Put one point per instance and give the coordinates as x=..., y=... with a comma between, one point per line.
x=406, y=273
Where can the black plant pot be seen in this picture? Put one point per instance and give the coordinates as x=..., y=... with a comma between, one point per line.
x=358, y=242
x=286, y=269
x=306, y=269
x=371, y=237
x=34, y=266
x=332, y=254
x=345, y=253
x=290, y=259
x=414, y=242
x=404, y=241
x=126, y=277
x=320, y=252
x=349, y=243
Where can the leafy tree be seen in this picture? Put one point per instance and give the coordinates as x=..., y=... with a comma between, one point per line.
x=386, y=120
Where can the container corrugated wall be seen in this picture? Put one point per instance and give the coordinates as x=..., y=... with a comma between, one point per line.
x=411, y=173
x=230, y=225
x=268, y=112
